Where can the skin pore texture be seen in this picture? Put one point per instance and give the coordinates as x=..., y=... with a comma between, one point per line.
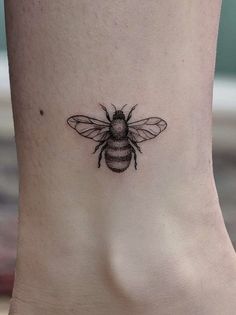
x=91, y=241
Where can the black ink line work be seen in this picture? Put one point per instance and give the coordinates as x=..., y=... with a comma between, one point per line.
x=117, y=136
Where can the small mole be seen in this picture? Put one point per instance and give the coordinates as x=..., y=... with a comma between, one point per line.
x=41, y=112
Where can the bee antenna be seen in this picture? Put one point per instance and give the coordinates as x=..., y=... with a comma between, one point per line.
x=123, y=106
x=114, y=107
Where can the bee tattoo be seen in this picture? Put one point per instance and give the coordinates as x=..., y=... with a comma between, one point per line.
x=117, y=136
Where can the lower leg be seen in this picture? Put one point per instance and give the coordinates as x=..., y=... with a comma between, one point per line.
x=135, y=158
x=150, y=241
x=100, y=155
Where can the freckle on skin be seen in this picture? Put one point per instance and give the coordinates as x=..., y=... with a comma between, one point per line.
x=41, y=112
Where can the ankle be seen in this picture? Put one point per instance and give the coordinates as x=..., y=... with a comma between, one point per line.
x=172, y=249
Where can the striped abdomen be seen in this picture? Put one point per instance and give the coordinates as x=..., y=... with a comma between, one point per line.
x=118, y=154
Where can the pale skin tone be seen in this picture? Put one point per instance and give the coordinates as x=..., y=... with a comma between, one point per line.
x=150, y=241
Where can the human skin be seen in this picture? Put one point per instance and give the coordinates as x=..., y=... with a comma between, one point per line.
x=146, y=241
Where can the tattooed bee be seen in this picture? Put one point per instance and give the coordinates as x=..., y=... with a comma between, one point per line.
x=117, y=136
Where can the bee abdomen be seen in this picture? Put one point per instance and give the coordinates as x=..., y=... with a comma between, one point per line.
x=118, y=155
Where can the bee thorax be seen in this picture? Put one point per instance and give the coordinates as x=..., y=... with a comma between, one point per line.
x=118, y=128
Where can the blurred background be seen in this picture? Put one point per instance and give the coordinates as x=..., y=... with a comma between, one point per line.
x=224, y=145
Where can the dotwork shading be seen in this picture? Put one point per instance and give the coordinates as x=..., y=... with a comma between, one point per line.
x=117, y=137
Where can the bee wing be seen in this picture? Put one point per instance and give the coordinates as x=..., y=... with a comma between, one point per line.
x=89, y=127
x=146, y=129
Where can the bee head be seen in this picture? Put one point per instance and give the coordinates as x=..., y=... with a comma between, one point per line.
x=119, y=114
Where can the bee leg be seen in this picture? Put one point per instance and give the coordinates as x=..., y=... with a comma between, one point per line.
x=107, y=114
x=130, y=112
x=100, y=155
x=135, y=158
x=136, y=145
x=98, y=146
